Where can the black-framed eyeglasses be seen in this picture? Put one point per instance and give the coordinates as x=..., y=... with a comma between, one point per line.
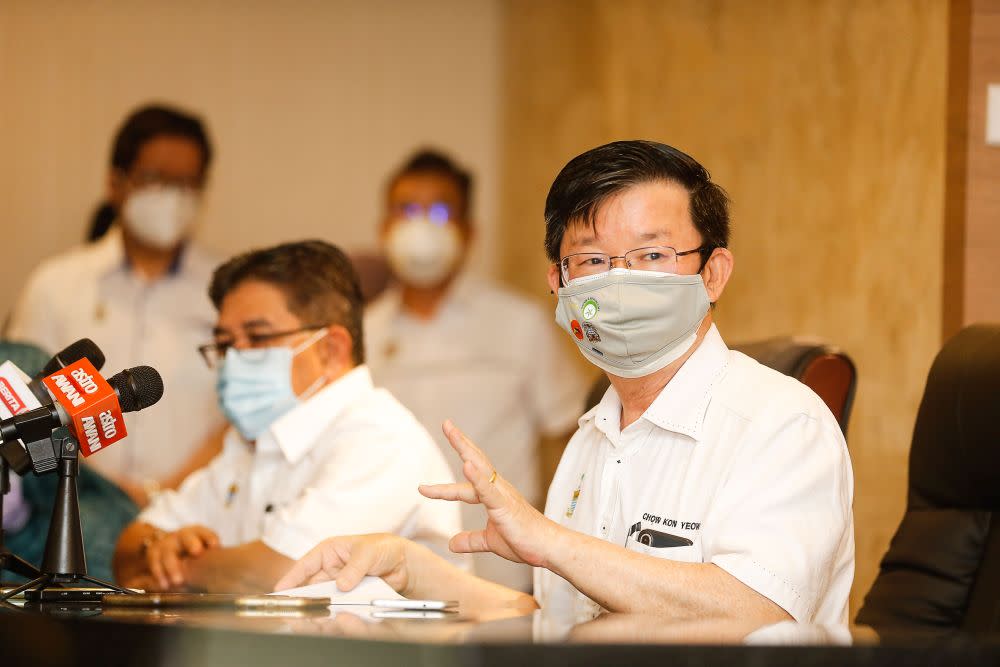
x=213, y=353
x=661, y=258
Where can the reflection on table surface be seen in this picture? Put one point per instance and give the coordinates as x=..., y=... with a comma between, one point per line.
x=468, y=626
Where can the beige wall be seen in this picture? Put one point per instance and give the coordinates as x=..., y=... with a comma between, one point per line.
x=824, y=120
x=310, y=105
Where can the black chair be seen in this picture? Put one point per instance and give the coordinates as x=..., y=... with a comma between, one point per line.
x=823, y=368
x=942, y=569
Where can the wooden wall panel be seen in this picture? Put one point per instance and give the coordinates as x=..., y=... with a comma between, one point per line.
x=825, y=121
x=982, y=191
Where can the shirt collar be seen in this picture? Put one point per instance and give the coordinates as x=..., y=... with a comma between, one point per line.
x=680, y=406
x=110, y=253
x=296, y=432
x=461, y=292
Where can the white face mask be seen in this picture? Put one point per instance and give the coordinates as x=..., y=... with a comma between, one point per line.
x=633, y=323
x=160, y=217
x=423, y=253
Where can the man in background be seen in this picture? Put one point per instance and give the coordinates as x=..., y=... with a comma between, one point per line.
x=139, y=293
x=451, y=345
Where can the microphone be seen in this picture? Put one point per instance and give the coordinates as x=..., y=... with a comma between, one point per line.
x=19, y=393
x=81, y=349
x=90, y=406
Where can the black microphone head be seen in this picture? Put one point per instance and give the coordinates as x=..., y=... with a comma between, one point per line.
x=137, y=388
x=73, y=353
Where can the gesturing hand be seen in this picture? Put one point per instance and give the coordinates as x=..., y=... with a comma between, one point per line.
x=514, y=530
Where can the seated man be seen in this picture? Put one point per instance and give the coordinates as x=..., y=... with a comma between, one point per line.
x=704, y=485
x=314, y=448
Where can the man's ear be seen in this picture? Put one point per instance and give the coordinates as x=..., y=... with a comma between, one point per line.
x=716, y=272
x=383, y=230
x=553, y=278
x=338, y=351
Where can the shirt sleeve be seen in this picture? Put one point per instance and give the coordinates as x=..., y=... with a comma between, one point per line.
x=782, y=520
x=196, y=501
x=557, y=386
x=368, y=485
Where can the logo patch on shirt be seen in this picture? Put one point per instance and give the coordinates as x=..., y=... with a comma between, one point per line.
x=576, y=496
x=591, y=332
x=577, y=329
x=590, y=308
x=234, y=488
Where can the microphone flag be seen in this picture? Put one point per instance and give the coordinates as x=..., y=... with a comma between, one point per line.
x=15, y=396
x=91, y=404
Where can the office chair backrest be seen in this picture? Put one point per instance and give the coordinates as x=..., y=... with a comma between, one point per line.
x=825, y=369
x=942, y=569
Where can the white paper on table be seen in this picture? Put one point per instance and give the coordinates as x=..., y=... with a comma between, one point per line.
x=370, y=588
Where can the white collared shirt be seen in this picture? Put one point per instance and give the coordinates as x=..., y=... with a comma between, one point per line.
x=493, y=363
x=346, y=461
x=735, y=464
x=91, y=292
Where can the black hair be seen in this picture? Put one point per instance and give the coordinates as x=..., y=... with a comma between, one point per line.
x=590, y=179
x=152, y=121
x=431, y=161
x=101, y=220
x=140, y=127
x=318, y=280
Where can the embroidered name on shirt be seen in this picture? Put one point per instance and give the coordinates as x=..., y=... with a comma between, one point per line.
x=671, y=523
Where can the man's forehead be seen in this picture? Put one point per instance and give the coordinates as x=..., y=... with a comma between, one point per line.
x=255, y=302
x=418, y=186
x=652, y=211
x=583, y=232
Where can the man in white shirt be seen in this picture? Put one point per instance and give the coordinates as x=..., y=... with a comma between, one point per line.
x=313, y=449
x=139, y=293
x=703, y=485
x=448, y=344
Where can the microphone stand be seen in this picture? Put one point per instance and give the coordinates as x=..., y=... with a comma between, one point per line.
x=65, y=560
x=9, y=561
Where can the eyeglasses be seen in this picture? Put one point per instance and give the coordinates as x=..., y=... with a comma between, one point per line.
x=144, y=179
x=214, y=353
x=654, y=258
x=437, y=212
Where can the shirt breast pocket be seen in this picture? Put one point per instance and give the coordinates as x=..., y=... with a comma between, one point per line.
x=688, y=553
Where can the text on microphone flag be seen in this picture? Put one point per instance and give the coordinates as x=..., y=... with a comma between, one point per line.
x=91, y=404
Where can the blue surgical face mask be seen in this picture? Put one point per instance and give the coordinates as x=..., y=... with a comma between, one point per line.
x=255, y=386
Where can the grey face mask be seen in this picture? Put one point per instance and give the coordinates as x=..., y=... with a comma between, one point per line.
x=633, y=323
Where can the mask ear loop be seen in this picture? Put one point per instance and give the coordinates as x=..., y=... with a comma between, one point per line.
x=305, y=345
